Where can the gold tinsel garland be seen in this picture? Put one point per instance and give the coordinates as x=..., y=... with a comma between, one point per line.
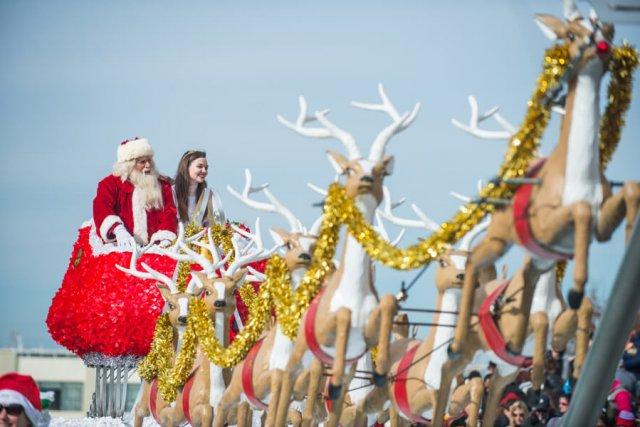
x=160, y=356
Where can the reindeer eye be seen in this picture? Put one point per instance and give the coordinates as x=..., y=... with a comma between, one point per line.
x=349, y=171
x=289, y=246
x=207, y=292
x=571, y=36
x=171, y=306
x=443, y=263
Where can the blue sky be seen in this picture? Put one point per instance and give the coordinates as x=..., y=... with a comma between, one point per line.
x=78, y=77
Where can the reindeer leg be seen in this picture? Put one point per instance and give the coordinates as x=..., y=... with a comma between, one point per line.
x=315, y=378
x=459, y=399
x=492, y=405
x=338, y=403
x=141, y=407
x=276, y=386
x=343, y=324
x=476, y=392
x=564, y=329
x=623, y=204
x=520, y=319
x=388, y=308
x=244, y=415
x=488, y=251
x=449, y=372
x=582, y=335
x=540, y=325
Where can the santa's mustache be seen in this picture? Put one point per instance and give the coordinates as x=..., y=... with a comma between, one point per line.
x=148, y=185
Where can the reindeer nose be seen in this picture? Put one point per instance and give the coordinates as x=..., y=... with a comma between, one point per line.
x=367, y=178
x=182, y=320
x=460, y=276
x=219, y=303
x=305, y=256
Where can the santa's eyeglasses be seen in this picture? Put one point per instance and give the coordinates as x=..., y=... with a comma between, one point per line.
x=12, y=409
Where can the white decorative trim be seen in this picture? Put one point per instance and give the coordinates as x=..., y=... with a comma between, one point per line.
x=139, y=218
x=106, y=225
x=11, y=397
x=99, y=247
x=161, y=235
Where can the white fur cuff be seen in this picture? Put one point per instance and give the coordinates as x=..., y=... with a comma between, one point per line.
x=163, y=235
x=106, y=225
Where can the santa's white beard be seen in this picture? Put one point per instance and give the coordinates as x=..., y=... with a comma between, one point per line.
x=149, y=188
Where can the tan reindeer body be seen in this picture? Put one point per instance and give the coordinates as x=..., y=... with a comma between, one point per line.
x=345, y=319
x=573, y=200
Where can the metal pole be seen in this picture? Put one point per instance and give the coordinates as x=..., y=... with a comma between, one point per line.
x=612, y=333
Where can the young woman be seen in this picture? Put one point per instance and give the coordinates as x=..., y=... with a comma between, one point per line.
x=194, y=200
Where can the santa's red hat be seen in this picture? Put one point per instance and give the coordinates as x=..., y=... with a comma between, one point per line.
x=133, y=148
x=22, y=390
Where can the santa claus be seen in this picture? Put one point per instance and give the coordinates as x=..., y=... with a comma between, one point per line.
x=134, y=205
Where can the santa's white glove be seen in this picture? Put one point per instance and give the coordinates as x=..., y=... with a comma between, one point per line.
x=123, y=238
x=164, y=243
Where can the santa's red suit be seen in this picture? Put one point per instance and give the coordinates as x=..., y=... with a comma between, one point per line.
x=116, y=203
x=120, y=202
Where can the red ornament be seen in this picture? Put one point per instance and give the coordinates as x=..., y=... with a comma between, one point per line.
x=602, y=46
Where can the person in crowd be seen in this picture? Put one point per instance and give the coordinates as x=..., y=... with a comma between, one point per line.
x=196, y=202
x=621, y=400
x=134, y=204
x=563, y=403
x=20, y=404
x=510, y=396
x=517, y=413
x=541, y=412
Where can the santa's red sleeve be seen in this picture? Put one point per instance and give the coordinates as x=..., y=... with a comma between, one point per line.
x=104, y=214
x=168, y=223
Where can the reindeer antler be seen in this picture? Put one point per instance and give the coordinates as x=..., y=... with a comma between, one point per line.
x=248, y=256
x=473, y=129
x=467, y=240
x=275, y=206
x=150, y=272
x=329, y=130
x=423, y=220
x=399, y=123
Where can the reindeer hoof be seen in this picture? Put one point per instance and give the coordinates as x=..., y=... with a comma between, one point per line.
x=452, y=355
x=575, y=299
x=334, y=391
x=379, y=380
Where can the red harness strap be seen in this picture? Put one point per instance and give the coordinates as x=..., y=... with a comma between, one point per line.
x=400, y=388
x=247, y=377
x=521, y=219
x=153, y=397
x=492, y=334
x=310, y=334
x=186, y=391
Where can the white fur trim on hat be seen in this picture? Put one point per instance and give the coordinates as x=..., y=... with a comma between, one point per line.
x=12, y=397
x=106, y=225
x=134, y=148
x=163, y=235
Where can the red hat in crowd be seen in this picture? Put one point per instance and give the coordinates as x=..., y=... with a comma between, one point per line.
x=22, y=390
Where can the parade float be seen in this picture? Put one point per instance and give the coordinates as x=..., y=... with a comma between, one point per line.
x=315, y=325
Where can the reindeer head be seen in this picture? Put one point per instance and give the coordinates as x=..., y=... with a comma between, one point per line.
x=298, y=246
x=176, y=304
x=218, y=292
x=586, y=39
x=363, y=176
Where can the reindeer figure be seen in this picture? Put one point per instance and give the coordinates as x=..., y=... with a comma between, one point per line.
x=259, y=376
x=176, y=304
x=567, y=200
x=420, y=372
x=347, y=318
x=204, y=388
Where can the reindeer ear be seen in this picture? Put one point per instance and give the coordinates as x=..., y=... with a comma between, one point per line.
x=338, y=161
x=238, y=276
x=551, y=26
x=278, y=235
x=164, y=291
x=387, y=164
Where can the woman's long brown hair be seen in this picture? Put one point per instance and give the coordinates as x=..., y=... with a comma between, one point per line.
x=182, y=183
